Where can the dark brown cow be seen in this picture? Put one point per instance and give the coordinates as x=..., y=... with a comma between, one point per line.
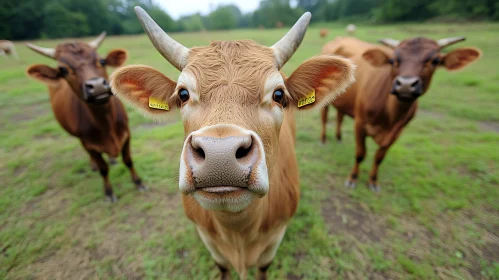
x=389, y=81
x=83, y=104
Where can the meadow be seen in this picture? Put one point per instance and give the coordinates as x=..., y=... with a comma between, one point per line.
x=437, y=216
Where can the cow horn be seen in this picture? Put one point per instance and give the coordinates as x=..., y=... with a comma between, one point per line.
x=170, y=49
x=392, y=43
x=48, y=52
x=286, y=47
x=97, y=41
x=442, y=43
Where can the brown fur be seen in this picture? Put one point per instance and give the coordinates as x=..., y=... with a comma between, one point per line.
x=323, y=33
x=378, y=113
x=230, y=79
x=102, y=129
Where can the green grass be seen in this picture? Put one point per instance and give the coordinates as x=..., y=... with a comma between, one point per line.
x=436, y=217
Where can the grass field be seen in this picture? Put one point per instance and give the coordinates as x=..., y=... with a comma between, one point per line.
x=437, y=216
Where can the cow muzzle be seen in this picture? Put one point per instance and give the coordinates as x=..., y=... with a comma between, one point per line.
x=407, y=88
x=96, y=91
x=224, y=167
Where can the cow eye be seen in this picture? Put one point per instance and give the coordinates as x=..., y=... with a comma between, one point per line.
x=278, y=96
x=391, y=61
x=102, y=61
x=183, y=94
x=436, y=61
x=63, y=71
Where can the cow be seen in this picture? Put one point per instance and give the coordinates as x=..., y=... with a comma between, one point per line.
x=323, y=33
x=351, y=28
x=389, y=81
x=238, y=171
x=83, y=104
x=8, y=48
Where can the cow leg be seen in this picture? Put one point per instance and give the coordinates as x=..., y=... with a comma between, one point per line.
x=373, y=175
x=127, y=159
x=93, y=164
x=262, y=272
x=339, y=121
x=324, y=112
x=104, y=171
x=360, y=153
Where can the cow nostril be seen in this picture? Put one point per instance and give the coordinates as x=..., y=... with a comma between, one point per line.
x=104, y=82
x=415, y=83
x=199, y=152
x=242, y=152
x=89, y=86
x=397, y=82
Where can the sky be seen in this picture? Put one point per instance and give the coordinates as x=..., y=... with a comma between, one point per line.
x=178, y=8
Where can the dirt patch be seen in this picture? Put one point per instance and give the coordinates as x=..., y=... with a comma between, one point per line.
x=489, y=126
x=345, y=216
x=31, y=112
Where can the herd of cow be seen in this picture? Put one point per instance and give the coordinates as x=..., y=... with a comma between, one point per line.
x=238, y=170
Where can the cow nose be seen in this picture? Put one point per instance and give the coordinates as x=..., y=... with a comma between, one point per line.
x=408, y=86
x=226, y=161
x=95, y=86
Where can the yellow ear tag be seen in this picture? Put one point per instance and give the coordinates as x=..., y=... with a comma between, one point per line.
x=158, y=104
x=308, y=99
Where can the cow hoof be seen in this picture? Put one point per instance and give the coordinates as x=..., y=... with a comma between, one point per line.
x=142, y=188
x=112, y=161
x=374, y=187
x=112, y=198
x=350, y=184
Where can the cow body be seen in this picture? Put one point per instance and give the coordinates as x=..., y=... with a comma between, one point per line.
x=238, y=172
x=101, y=128
x=84, y=106
x=384, y=98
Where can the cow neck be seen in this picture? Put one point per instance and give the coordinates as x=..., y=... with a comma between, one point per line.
x=101, y=114
x=399, y=110
x=244, y=222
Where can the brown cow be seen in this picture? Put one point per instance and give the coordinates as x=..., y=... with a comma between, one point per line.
x=389, y=81
x=238, y=171
x=84, y=105
x=323, y=33
x=8, y=48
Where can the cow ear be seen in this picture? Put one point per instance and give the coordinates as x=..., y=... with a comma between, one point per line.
x=146, y=89
x=459, y=58
x=376, y=57
x=116, y=57
x=319, y=80
x=44, y=73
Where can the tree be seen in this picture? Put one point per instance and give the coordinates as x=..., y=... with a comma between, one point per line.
x=224, y=17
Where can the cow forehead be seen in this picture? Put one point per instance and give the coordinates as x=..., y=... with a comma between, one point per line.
x=239, y=66
x=75, y=53
x=417, y=48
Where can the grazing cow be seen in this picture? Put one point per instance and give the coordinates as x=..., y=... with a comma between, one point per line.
x=238, y=172
x=389, y=81
x=8, y=48
x=84, y=105
x=351, y=28
x=323, y=33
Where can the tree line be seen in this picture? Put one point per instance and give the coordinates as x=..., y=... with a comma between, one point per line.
x=32, y=19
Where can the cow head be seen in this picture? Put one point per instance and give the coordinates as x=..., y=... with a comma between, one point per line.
x=414, y=61
x=81, y=67
x=232, y=99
